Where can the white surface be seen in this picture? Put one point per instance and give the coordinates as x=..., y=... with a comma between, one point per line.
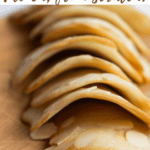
x=6, y=9
x=145, y=9
x=75, y=2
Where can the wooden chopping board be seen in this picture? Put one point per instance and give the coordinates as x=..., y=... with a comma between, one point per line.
x=14, y=134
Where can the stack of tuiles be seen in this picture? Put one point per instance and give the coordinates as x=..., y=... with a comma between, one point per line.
x=82, y=79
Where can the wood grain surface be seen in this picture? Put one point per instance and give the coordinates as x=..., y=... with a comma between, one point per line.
x=14, y=134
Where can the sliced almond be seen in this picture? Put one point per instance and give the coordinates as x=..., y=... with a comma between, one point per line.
x=84, y=139
x=137, y=139
x=32, y=114
x=67, y=135
x=63, y=146
x=106, y=139
x=117, y=124
x=67, y=122
x=45, y=132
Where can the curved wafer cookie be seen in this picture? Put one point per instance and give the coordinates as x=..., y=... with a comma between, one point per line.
x=95, y=93
x=138, y=20
x=83, y=11
x=84, y=78
x=46, y=131
x=39, y=15
x=77, y=26
x=78, y=62
x=93, y=44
